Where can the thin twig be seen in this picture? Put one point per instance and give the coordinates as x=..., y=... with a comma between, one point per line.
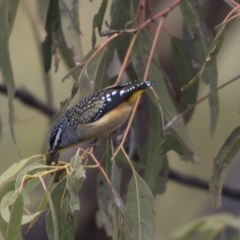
x=152, y=49
x=125, y=62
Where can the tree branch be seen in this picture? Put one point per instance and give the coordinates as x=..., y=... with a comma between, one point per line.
x=30, y=100
x=202, y=184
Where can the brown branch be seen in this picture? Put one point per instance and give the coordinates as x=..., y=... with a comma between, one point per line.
x=163, y=14
x=30, y=100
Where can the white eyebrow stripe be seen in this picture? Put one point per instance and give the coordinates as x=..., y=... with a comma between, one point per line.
x=57, y=138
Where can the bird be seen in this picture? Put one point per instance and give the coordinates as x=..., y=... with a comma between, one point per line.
x=100, y=113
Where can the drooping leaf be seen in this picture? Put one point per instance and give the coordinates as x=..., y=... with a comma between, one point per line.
x=68, y=221
x=171, y=143
x=8, y=200
x=151, y=153
x=12, y=10
x=200, y=44
x=6, y=72
x=122, y=215
x=26, y=170
x=98, y=21
x=77, y=171
x=52, y=222
x=15, y=168
x=54, y=33
x=115, y=177
x=141, y=207
x=169, y=110
x=8, y=187
x=207, y=227
x=57, y=196
x=186, y=72
x=70, y=26
x=113, y=208
x=14, y=230
x=105, y=202
x=120, y=16
x=161, y=179
x=225, y=155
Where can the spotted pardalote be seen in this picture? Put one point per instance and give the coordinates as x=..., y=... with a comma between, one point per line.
x=98, y=114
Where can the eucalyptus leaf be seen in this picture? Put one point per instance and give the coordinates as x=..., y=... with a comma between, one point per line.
x=6, y=72
x=27, y=170
x=8, y=187
x=70, y=26
x=74, y=200
x=171, y=143
x=53, y=30
x=68, y=221
x=11, y=171
x=169, y=110
x=57, y=195
x=225, y=155
x=120, y=16
x=14, y=230
x=52, y=222
x=186, y=72
x=141, y=208
x=98, y=21
x=200, y=44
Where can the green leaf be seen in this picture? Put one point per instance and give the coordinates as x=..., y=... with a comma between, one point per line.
x=98, y=21
x=207, y=227
x=15, y=168
x=68, y=221
x=6, y=72
x=186, y=72
x=9, y=199
x=12, y=10
x=120, y=16
x=169, y=110
x=13, y=230
x=52, y=222
x=225, y=155
x=141, y=207
x=171, y=143
x=162, y=178
x=54, y=33
x=8, y=187
x=76, y=168
x=115, y=177
x=105, y=202
x=27, y=170
x=74, y=200
x=70, y=26
x=57, y=196
x=112, y=207
x=151, y=154
x=122, y=215
x=200, y=44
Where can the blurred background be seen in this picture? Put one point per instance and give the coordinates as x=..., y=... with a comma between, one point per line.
x=179, y=204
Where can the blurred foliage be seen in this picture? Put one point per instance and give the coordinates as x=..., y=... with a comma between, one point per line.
x=159, y=128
